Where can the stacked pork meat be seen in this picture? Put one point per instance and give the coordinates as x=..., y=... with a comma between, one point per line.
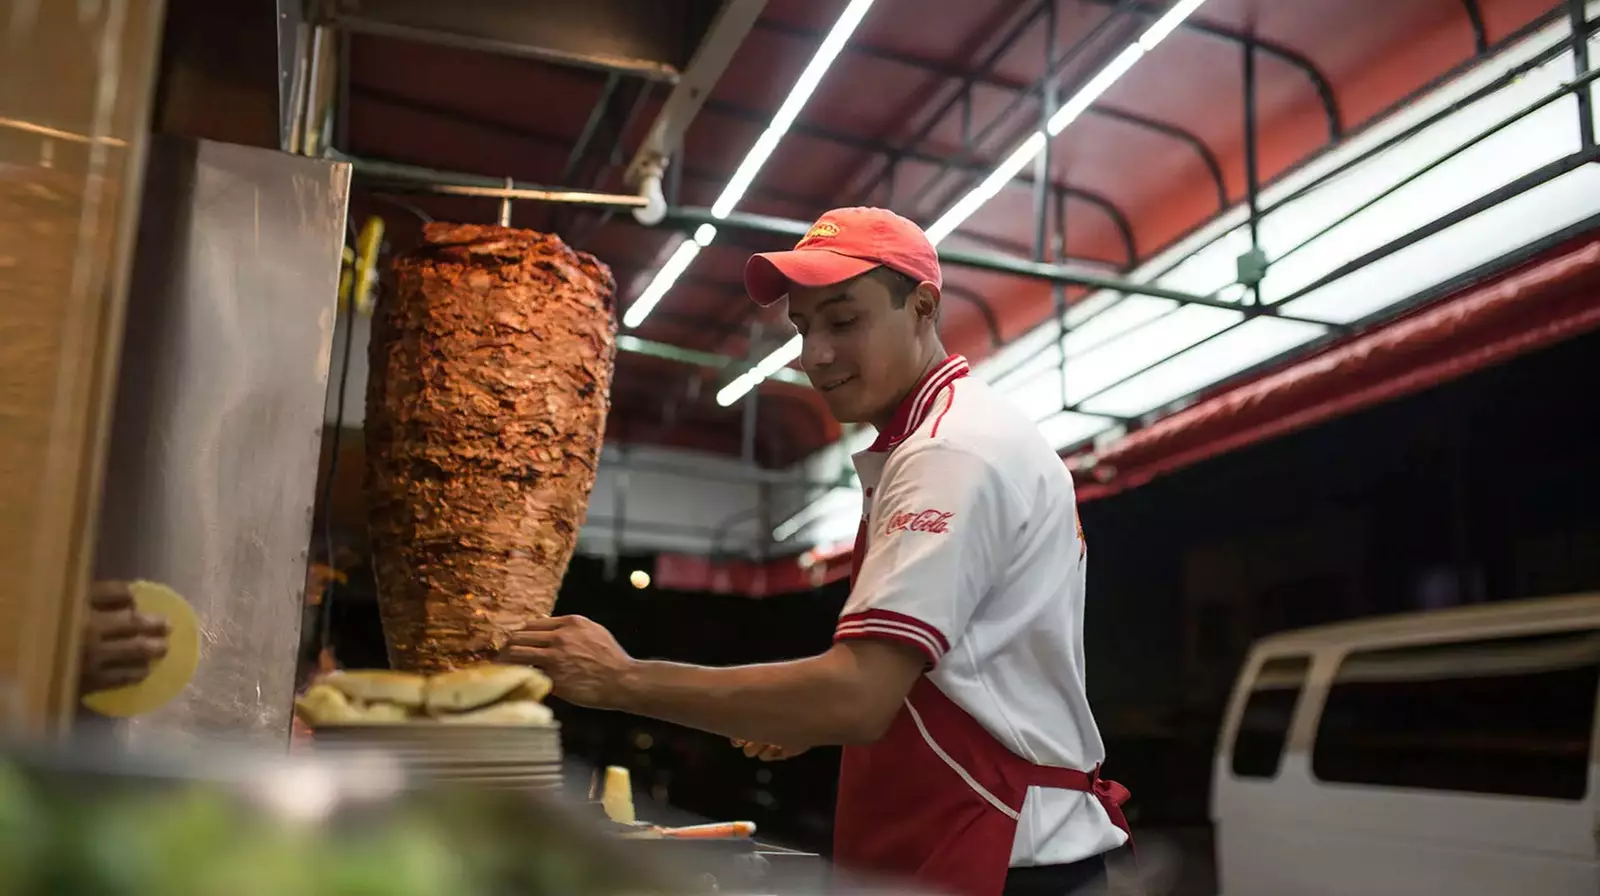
x=491, y=366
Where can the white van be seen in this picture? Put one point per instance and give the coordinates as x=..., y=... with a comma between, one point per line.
x=1449, y=753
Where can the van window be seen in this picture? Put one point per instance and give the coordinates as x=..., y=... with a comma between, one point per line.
x=1264, y=725
x=1507, y=716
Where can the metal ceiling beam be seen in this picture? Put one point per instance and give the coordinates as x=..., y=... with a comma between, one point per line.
x=1578, y=19
x=726, y=32
x=1480, y=33
x=999, y=82
x=689, y=218
x=971, y=165
x=1289, y=55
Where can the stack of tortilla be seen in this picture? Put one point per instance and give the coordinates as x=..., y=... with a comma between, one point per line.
x=482, y=726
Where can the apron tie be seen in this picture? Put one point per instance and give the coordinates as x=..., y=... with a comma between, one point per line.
x=1110, y=794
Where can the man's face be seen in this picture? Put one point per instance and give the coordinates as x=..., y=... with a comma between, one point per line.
x=859, y=350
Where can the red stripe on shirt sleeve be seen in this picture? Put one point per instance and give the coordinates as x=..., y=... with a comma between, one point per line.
x=891, y=626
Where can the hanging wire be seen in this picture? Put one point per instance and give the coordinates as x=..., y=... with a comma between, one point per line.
x=325, y=614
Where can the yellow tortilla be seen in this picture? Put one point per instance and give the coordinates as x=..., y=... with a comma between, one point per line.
x=170, y=674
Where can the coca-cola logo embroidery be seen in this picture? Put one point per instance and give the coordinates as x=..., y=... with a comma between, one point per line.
x=934, y=522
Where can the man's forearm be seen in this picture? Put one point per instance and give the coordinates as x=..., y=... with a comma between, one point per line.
x=804, y=703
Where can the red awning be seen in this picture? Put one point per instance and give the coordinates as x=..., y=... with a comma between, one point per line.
x=1525, y=309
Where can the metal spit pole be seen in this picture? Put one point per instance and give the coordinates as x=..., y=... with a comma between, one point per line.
x=416, y=179
x=505, y=204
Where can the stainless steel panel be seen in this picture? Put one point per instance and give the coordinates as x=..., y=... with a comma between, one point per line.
x=76, y=81
x=219, y=413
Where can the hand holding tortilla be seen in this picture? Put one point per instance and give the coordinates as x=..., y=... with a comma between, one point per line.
x=140, y=650
x=477, y=695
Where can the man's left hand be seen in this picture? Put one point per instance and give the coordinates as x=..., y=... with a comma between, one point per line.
x=583, y=660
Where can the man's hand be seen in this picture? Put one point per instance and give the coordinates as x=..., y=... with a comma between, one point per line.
x=767, y=752
x=119, y=643
x=849, y=694
x=583, y=660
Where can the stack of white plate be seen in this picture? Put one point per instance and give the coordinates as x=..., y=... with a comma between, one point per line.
x=486, y=757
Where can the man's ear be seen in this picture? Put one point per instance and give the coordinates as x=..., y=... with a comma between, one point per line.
x=925, y=299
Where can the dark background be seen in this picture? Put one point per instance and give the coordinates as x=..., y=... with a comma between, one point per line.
x=1484, y=489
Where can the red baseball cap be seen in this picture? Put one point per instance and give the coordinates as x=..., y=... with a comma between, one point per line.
x=844, y=243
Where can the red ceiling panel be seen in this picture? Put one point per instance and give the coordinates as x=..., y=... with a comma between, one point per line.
x=496, y=115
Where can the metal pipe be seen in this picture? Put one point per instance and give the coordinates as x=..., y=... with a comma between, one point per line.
x=619, y=506
x=1579, y=20
x=1252, y=167
x=690, y=218
x=1058, y=296
x=682, y=355
x=309, y=124
x=505, y=204
x=341, y=130
x=1480, y=33
x=1047, y=105
x=416, y=179
x=750, y=411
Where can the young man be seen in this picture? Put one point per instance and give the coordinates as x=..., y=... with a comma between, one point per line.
x=956, y=677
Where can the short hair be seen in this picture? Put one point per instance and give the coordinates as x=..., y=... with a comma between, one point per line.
x=900, y=286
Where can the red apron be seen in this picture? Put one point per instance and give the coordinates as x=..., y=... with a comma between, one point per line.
x=936, y=799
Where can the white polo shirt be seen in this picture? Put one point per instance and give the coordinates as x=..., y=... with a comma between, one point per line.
x=976, y=557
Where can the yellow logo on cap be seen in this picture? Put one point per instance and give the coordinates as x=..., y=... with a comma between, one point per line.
x=821, y=230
